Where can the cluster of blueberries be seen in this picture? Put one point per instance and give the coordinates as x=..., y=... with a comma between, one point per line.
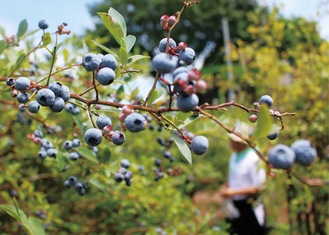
x=69, y=145
x=123, y=174
x=79, y=187
x=283, y=157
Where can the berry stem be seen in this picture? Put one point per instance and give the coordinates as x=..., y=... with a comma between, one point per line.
x=53, y=59
x=95, y=86
x=152, y=89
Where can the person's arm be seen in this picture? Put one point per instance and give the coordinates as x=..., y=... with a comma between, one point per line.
x=229, y=192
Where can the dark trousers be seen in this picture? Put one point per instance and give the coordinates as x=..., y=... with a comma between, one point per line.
x=247, y=223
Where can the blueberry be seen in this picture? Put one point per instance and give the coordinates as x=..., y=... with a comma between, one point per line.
x=125, y=163
x=67, y=184
x=46, y=144
x=69, y=107
x=78, y=187
x=52, y=152
x=93, y=136
x=91, y=62
x=22, y=107
x=42, y=154
x=266, y=99
x=281, y=156
x=180, y=70
x=10, y=81
x=119, y=177
x=73, y=180
x=187, y=56
x=135, y=122
x=58, y=105
x=118, y=137
x=105, y=76
x=75, y=110
x=129, y=182
x=82, y=192
x=109, y=61
x=68, y=145
x=74, y=156
x=65, y=93
x=56, y=87
x=163, y=44
x=22, y=83
x=23, y=98
x=128, y=175
x=187, y=103
x=273, y=136
x=38, y=133
x=76, y=142
x=103, y=121
x=157, y=162
x=199, y=145
x=43, y=24
x=33, y=107
x=305, y=153
x=46, y=97
x=164, y=63
x=158, y=176
x=166, y=154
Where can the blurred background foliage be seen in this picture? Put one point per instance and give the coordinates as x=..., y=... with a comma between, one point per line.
x=285, y=58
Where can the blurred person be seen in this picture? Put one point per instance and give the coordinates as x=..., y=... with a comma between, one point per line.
x=246, y=180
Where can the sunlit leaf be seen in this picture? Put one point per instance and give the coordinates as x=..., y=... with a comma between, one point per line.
x=104, y=48
x=2, y=46
x=156, y=94
x=130, y=42
x=182, y=146
x=46, y=39
x=123, y=56
x=135, y=58
x=62, y=160
x=87, y=153
x=22, y=28
x=264, y=122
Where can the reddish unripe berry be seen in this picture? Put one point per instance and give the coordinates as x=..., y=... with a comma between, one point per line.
x=127, y=109
x=181, y=46
x=253, y=118
x=172, y=20
x=122, y=117
x=189, y=89
x=201, y=85
x=194, y=74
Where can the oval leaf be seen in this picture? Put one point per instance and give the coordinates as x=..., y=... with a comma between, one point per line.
x=130, y=42
x=22, y=28
x=87, y=153
x=183, y=147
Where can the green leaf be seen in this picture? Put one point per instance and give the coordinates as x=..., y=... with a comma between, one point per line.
x=134, y=58
x=22, y=28
x=104, y=48
x=182, y=146
x=130, y=42
x=2, y=46
x=87, y=153
x=62, y=160
x=264, y=122
x=106, y=156
x=156, y=94
x=34, y=226
x=123, y=56
x=98, y=184
x=115, y=23
x=11, y=210
x=46, y=39
x=135, y=92
x=189, y=120
x=17, y=209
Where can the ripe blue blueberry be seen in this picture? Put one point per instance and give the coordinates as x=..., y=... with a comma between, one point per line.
x=43, y=24
x=281, y=156
x=125, y=163
x=164, y=63
x=135, y=122
x=52, y=152
x=118, y=137
x=22, y=83
x=119, y=177
x=266, y=99
x=58, y=105
x=103, y=121
x=65, y=93
x=305, y=153
x=109, y=61
x=33, y=107
x=67, y=184
x=56, y=87
x=128, y=175
x=74, y=156
x=187, y=103
x=23, y=98
x=273, y=136
x=73, y=180
x=163, y=44
x=199, y=145
x=46, y=144
x=76, y=142
x=10, y=81
x=179, y=70
x=46, y=97
x=187, y=56
x=157, y=162
x=68, y=145
x=42, y=154
x=22, y=107
x=105, y=76
x=38, y=133
x=91, y=62
x=93, y=136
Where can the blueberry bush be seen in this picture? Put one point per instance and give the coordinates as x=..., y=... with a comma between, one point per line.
x=84, y=150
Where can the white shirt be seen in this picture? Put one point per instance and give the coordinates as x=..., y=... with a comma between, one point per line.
x=245, y=172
